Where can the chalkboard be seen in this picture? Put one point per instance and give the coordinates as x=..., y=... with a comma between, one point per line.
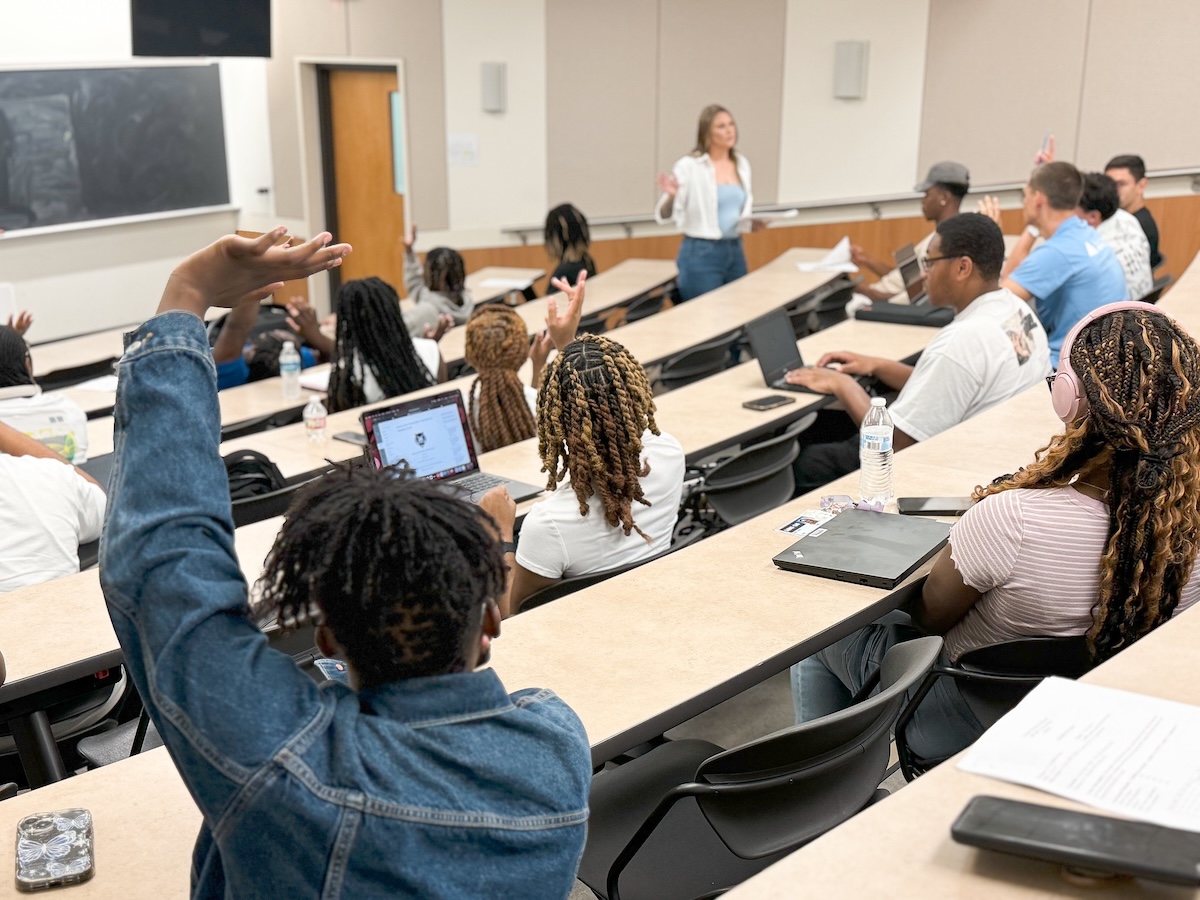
x=82, y=144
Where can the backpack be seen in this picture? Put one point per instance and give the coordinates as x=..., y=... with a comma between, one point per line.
x=251, y=474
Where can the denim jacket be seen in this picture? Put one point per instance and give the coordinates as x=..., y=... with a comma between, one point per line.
x=445, y=786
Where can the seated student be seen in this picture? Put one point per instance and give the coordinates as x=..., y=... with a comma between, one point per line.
x=48, y=509
x=439, y=288
x=373, y=356
x=1097, y=536
x=1099, y=208
x=241, y=359
x=596, y=425
x=1074, y=271
x=944, y=188
x=424, y=777
x=503, y=411
x=992, y=350
x=48, y=416
x=567, y=240
x=1129, y=172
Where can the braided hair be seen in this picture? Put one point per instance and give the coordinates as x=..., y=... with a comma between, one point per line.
x=1140, y=372
x=399, y=569
x=14, y=353
x=593, y=407
x=446, y=273
x=497, y=345
x=371, y=333
x=568, y=238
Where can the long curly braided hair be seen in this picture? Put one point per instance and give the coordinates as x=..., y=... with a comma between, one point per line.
x=568, y=237
x=1141, y=374
x=497, y=345
x=446, y=273
x=371, y=328
x=593, y=407
x=399, y=569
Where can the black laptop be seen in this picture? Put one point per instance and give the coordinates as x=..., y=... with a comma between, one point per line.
x=864, y=547
x=430, y=436
x=773, y=342
x=918, y=311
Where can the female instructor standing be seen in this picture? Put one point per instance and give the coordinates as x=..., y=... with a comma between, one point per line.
x=706, y=195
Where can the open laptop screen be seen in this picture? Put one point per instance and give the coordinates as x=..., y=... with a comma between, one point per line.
x=773, y=341
x=429, y=436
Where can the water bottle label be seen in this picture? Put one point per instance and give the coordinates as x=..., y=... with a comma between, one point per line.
x=875, y=443
x=315, y=423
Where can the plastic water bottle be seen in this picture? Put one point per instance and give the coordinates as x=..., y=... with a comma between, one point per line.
x=314, y=419
x=289, y=371
x=875, y=457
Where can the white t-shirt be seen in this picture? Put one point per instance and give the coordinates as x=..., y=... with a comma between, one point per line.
x=557, y=542
x=994, y=349
x=427, y=352
x=50, y=417
x=1123, y=232
x=46, y=511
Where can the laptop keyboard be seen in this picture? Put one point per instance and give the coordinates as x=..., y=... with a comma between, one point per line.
x=480, y=482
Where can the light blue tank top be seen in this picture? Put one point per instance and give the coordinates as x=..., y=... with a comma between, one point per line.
x=730, y=200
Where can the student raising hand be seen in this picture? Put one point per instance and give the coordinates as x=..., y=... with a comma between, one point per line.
x=21, y=321
x=562, y=327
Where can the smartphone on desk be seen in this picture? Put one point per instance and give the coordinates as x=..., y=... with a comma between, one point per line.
x=54, y=849
x=1086, y=844
x=761, y=404
x=933, y=506
x=351, y=437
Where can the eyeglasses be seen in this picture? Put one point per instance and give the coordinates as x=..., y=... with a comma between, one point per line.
x=926, y=261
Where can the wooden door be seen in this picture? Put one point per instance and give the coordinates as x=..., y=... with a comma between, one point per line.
x=368, y=213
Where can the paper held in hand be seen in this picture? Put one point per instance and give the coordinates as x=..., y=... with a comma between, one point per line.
x=1118, y=751
x=836, y=260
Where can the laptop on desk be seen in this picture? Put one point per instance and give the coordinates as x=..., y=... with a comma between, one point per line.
x=864, y=547
x=430, y=436
x=918, y=311
x=773, y=342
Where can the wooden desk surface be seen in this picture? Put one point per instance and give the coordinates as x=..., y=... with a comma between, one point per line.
x=483, y=293
x=77, y=351
x=623, y=282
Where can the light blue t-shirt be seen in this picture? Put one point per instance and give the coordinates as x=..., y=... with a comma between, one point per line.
x=1072, y=273
x=730, y=200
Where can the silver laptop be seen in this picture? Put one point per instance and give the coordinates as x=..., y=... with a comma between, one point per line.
x=863, y=547
x=430, y=437
x=773, y=342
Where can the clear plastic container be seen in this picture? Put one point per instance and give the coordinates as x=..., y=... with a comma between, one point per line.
x=315, y=416
x=289, y=371
x=875, y=458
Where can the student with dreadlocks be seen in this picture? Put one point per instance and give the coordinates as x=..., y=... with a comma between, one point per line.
x=567, y=242
x=1097, y=537
x=596, y=433
x=439, y=288
x=422, y=777
x=503, y=411
x=47, y=416
x=373, y=356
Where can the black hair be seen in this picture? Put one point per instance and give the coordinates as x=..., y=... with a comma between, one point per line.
x=1099, y=195
x=976, y=236
x=396, y=567
x=568, y=237
x=957, y=190
x=263, y=358
x=446, y=273
x=1061, y=182
x=1135, y=164
x=371, y=331
x=13, y=354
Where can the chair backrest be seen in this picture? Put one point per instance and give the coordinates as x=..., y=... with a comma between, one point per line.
x=828, y=310
x=596, y=323
x=263, y=423
x=1026, y=661
x=698, y=362
x=791, y=786
x=249, y=510
x=757, y=479
x=271, y=316
x=644, y=307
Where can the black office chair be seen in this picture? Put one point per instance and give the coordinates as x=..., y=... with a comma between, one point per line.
x=596, y=323
x=751, y=481
x=263, y=423
x=688, y=818
x=808, y=318
x=697, y=363
x=271, y=316
x=1160, y=285
x=992, y=680
x=644, y=307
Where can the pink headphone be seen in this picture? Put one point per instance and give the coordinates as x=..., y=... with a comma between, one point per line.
x=1066, y=392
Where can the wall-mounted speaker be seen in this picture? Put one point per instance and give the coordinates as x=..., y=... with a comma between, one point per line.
x=495, y=86
x=850, y=69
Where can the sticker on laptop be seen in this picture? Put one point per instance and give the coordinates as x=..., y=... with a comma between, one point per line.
x=808, y=522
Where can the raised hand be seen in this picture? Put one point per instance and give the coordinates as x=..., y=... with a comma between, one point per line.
x=410, y=238
x=668, y=184
x=436, y=332
x=302, y=318
x=562, y=327
x=990, y=207
x=1045, y=154
x=20, y=322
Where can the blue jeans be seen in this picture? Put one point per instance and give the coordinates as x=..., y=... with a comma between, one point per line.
x=706, y=265
x=444, y=786
x=828, y=680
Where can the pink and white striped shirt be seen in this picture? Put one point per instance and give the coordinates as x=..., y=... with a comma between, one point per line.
x=1035, y=555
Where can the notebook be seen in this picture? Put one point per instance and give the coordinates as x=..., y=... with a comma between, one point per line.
x=430, y=437
x=864, y=547
x=773, y=342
